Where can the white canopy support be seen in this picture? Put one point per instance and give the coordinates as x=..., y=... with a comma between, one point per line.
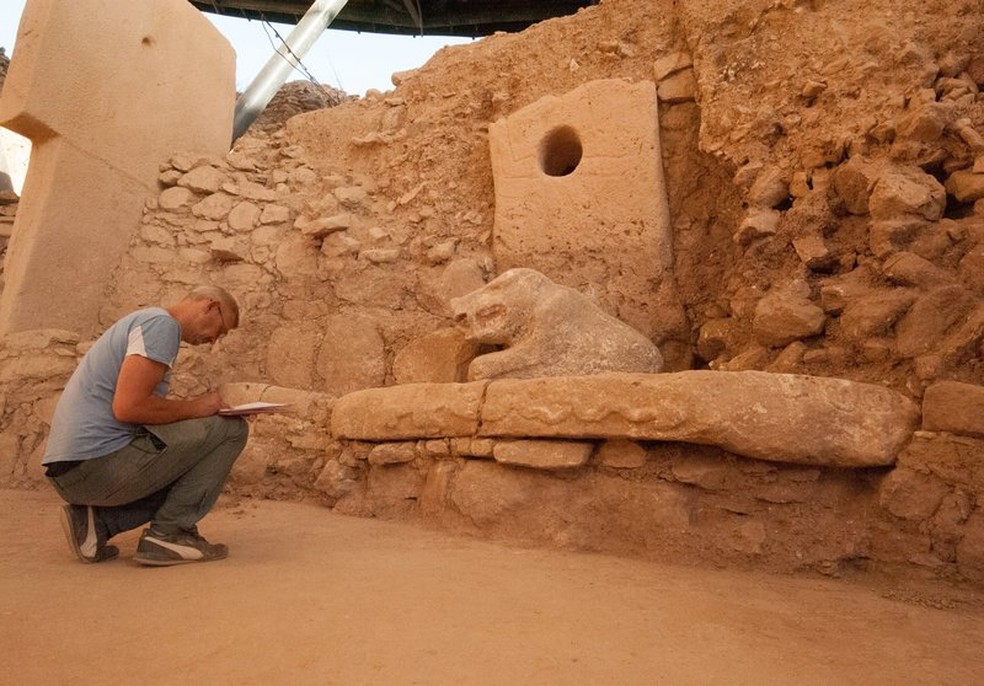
x=259, y=93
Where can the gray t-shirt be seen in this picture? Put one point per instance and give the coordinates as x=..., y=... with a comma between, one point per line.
x=84, y=426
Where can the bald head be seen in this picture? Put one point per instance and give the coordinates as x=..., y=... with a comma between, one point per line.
x=230, y=308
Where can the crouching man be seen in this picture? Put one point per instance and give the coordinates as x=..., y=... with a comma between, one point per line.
x=122, y=453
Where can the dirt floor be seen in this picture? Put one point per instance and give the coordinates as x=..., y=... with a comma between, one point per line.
x=308, y=596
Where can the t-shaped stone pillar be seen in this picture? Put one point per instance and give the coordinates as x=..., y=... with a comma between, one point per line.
x=580, y=196
x=105, y=91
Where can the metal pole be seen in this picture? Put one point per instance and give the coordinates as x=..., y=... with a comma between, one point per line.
x=259, y=93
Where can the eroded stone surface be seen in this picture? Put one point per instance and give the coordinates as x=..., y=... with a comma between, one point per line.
x=782, y=417
x=599, y=140
x=778, y=417
x=955, y=407
x=412, y=411
x=547, y=330
x=543, y=454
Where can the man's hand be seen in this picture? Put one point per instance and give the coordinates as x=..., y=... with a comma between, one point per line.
x=134, y=401
x=208, y=404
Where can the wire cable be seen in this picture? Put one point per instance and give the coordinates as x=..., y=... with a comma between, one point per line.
x=297, y=64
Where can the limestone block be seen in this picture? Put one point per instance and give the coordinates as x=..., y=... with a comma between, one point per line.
x=543, y=454
x=87, y=184
x=771, y=188
x=214, y=207
x=390, y=486
x=438, y=447
x=955, y=407
x=380, y=255
x=813, y=252
x=758, y=223
x=204, y=180
x=787, y=314
x=971, y=267
x=928, y=320
x=547, y=330
x=437, y=486
x=876, y=313
x=886, y=237
x=393, y=453
x=781, y=417
x=352, y=354
x=957, y=460
x=175, y=198
x=291, y=354
x=906, y=191
x=473, y=447
x=244, y=216
x=38, y=366
x=223, y=249
x=350, y=196
x=485, y=492
x=441, y=356
x=580, y=194
x=671, y=64
x=965, y=186
x=322, y=226
x=39, y=339
x=437, y=288
x=853, y=182
x=925, y=124
x=239, y=277
x=679, y=87
x=621, y=454
x=909, y=269
x=910, y=494
x=275, y=214
x=705, y=471
x=336, y=480
x=296, y=256
x=407, y=412
x=249, y=190
x=716, y=336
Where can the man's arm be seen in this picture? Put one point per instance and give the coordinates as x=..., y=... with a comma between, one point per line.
x=134, y=401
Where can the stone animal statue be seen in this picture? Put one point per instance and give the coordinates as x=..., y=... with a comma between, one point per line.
x=546, y=329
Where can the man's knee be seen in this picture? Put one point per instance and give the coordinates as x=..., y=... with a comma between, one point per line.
x=238, y=429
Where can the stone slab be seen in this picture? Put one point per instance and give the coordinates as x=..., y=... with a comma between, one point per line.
x=99, y=132
x=779, y=417
x=540, y=454
x=424, y=410
x=599, y=141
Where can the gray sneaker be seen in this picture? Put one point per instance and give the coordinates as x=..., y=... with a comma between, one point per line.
x=79, y=524
x=161, y=550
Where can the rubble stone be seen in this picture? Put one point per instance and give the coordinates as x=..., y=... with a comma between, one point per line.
x=540, y=454
x=955, y=407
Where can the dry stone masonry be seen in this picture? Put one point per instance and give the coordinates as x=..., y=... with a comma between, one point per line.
x=787, y=204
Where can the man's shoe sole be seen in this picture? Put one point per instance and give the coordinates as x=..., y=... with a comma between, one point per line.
x=107, y=552
x=170, y=562
x=177, y=556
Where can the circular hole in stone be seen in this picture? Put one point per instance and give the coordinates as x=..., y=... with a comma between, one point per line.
x=560, y=151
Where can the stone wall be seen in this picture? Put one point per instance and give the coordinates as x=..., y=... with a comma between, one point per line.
x=822, y=169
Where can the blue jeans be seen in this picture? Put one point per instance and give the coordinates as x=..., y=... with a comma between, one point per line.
x=169, y=476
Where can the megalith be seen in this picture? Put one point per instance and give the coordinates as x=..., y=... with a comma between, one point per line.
x=105, y=91
x=580, y=196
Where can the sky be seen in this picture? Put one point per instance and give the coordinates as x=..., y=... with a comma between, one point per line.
x=354, y=62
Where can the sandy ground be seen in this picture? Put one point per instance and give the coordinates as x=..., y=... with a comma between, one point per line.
x=309, y=597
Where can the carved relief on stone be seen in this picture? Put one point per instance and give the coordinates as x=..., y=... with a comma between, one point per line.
x=547, y=329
